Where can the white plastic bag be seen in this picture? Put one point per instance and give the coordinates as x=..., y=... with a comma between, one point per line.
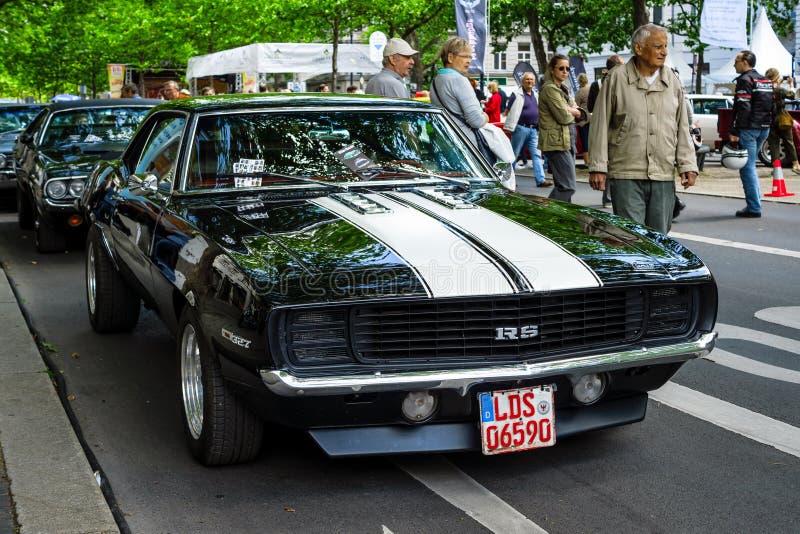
x=498, y=142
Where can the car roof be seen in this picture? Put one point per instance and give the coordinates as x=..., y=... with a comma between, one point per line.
x=18, y=105
x=104, y=103
x=287, y=100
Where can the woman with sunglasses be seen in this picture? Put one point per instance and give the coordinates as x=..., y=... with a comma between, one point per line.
x=557, y=116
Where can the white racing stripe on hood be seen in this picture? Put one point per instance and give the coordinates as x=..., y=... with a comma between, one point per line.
x=546, y=265
x=448, y=265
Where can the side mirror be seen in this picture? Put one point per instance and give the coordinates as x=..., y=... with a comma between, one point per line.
x=147, y=184
x=26, y=139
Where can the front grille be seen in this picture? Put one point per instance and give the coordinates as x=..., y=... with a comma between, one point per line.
x=505, y=328
x=670, y=310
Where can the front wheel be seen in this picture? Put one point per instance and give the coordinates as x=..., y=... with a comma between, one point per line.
x=47, y=238
x=220, y=429
x=113, y=306
x=24, y=211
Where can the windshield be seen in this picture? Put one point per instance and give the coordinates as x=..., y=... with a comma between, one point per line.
x=91, y=130
x=17, y=118
x=266, y=148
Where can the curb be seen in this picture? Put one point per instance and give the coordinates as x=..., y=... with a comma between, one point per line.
x=52, y=485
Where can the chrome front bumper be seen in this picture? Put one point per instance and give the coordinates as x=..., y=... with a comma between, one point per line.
x=287, y=385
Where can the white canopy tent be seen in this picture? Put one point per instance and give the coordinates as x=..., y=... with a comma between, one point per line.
x=675, y=61
x=307, y=59
x=769, y=51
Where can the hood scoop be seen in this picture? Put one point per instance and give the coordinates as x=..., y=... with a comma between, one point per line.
x=445, y=199
x=360, y=203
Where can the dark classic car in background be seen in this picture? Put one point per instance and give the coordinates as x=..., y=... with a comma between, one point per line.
x=351, y=267
x=13, y=119
x=55, y=153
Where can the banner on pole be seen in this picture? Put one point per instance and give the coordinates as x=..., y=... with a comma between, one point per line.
x=116, y=78
x=471, y=25
x=723, y=23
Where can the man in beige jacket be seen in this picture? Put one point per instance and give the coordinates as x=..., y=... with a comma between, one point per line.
x=639, y=132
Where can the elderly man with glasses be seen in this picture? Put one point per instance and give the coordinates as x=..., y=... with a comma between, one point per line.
x=523, y=123
x=397, y=62
x=640, y=131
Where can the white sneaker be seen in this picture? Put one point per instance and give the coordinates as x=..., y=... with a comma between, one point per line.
x=524, y=166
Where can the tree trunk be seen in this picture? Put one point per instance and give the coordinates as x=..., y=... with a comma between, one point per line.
x=698, y=71
x=334, y=56
x=640, y=14
x=536, y=38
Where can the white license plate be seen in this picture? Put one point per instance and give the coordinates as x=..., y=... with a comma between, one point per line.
x=517, y=419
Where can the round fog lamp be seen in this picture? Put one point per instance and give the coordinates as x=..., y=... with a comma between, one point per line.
x=419, y=406
x=589, y=388
x=55, y=189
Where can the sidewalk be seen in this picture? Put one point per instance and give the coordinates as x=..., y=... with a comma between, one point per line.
x=714, y=180
x=51, y=482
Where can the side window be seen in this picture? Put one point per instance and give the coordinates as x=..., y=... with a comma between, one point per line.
x=160, y=154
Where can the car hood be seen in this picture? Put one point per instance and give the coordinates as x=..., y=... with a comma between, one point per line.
x=59, y=167
x=432, y=242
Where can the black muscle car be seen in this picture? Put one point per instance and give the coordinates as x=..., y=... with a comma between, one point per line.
x=350, y=266
x=55, y=153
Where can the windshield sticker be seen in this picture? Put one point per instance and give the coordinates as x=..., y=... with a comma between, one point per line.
x=356, y=161
x=246, y=182
x=248, y=166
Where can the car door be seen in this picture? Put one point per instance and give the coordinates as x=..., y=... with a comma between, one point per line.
x=148, y=189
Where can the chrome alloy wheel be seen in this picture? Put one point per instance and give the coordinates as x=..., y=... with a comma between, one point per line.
x=192, y=381
x=91, y=279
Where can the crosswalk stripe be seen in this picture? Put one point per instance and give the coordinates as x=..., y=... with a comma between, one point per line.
x=462, y=491
x=784, y=316
x=736, y=244
x=753, y=367
x=730, y=331
x=742, y=421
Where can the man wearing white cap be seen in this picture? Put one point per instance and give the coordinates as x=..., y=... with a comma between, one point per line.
x=397, y=61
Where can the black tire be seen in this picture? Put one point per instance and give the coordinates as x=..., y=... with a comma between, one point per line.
x=24, y=211
x=220, y=429
x=48, y=239
x=112, y=305
x=765, y=156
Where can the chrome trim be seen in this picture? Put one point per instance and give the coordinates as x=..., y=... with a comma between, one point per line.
x=285, y=384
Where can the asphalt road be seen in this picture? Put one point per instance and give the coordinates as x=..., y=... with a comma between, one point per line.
x=674, y=472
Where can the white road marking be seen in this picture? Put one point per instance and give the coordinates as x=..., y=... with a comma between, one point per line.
x=736, y=244
x=462, y=491
x=742, y=421
x=385, y=530
x=753, y=367
x=784, y=316
x=756, y=336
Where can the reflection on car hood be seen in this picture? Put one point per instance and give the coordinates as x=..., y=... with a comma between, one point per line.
x=425, y=242
x=78, y=166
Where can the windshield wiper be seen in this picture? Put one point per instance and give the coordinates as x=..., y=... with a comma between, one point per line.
x=372, y=172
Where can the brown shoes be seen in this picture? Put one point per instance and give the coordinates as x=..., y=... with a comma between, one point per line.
x=546, y=183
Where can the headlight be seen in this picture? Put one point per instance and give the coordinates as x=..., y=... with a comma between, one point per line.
x=76, y=187
x=56, y=189
x=2, y=160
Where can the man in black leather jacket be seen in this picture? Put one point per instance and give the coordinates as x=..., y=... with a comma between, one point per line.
x=752, y=117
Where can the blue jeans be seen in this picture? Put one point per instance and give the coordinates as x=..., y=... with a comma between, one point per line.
x=751, y=140
x=523, y=136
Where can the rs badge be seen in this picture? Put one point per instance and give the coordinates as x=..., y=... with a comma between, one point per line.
x=524, y=332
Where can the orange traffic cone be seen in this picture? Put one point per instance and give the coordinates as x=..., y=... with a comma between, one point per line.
x=778, y=183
